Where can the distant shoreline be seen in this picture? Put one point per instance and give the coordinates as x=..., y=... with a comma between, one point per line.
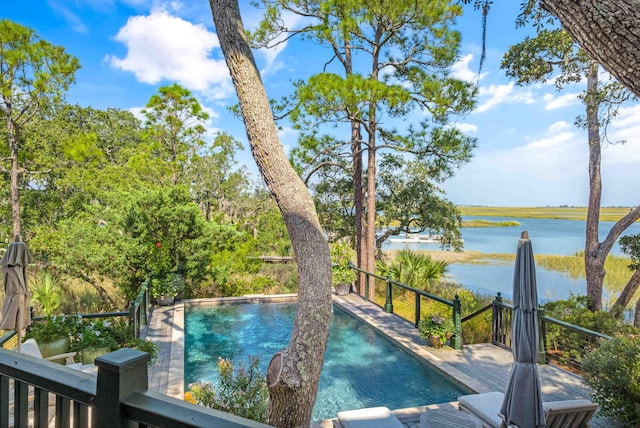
x=559, y=213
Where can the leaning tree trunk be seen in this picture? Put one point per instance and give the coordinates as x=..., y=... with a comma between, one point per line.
x=294, y=372
x=608, y=30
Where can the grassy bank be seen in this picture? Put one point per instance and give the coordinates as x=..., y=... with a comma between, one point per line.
x=487, y=223
x=561, y=213
x=617, y=276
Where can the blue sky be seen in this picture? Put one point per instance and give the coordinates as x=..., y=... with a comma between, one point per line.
x=529, y=152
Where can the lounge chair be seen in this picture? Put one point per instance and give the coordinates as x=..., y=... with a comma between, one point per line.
x=372, y=417
x=558, y=414
x=30, y=347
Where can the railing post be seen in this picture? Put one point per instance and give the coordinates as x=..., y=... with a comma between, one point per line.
x=133, y=319
x=496, y=320
x=120, y=374
x=366, y=287
x=542, y=339
x=417, y=310
x=457, y=323
x=388, y=306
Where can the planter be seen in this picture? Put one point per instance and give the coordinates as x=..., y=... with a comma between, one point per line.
x=165, y=301
x=437, y=341
x=343, y=289
x=89, y=355
x=57, y=346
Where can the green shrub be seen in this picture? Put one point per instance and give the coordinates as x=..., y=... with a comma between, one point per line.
x=570, y=347
x=340, y=258
x=242, y=390
x=613, y=373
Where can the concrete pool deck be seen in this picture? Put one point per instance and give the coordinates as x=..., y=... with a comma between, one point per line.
x=477, y=368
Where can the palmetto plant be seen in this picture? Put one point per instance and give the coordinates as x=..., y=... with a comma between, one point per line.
x=46, y=291
x=418, y=270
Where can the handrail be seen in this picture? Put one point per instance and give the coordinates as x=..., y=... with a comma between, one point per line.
x=478, y=312
x=388, y=306
x=147, y=407
x=575, y=328
x=117, y=396
x=405, y=286
x=564, y=347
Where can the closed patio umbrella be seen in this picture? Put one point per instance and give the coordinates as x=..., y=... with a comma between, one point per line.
x=15, y=307
x=522, y=405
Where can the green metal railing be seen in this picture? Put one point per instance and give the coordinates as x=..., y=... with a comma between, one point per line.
x=138, y=314
x=561, y=343
x=390, y=284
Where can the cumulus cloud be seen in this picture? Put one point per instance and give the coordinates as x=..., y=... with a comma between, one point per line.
x=499, y=94
x=560, y=125
x=462, y=71
x=553, y=102
x=467, y=128
x=163, y=47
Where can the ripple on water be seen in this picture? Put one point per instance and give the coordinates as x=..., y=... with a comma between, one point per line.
x=361, y=369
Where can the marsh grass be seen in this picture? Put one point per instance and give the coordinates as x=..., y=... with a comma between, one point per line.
x=618, y=274
x=488, y=223
x=562, y=213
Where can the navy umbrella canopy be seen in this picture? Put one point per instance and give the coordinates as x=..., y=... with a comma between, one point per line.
x=15, y=306
x=522, y=405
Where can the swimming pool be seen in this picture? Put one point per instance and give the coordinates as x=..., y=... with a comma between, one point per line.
x=362, y=368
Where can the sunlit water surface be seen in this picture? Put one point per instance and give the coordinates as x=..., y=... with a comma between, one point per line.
x=361, y=368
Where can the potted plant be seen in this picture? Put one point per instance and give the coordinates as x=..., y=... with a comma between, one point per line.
x=93, y=339
x=342, y=273
x=53, y=334
x=165, y=289
x=436, y=329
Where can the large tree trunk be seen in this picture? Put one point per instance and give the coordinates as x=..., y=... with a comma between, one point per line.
x=593, y=256
x=358, y=201
x=608, y=30
x=293, y=373
x=370, y=229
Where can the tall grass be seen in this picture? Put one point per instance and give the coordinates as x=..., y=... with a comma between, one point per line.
x=487, y=223
x=563, y=213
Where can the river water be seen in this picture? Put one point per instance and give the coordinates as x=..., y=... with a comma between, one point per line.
x=548, y=236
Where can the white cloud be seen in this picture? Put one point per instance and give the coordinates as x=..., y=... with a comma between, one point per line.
x=461, y=70
x=560, y=101
x=72, y=18
x=467, y=128
x=559, y=126
x=499, y=94
x=164, y=47
x=625, y=127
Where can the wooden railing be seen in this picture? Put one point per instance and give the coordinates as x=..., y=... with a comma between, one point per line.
x=39, y=393
x=456, y=340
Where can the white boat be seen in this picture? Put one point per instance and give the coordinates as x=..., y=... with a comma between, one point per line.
x=417, y=239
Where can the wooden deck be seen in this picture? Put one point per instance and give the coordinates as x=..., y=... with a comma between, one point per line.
x=477, y=368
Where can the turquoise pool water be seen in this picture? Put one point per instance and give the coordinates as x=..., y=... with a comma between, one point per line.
x=362, y=368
